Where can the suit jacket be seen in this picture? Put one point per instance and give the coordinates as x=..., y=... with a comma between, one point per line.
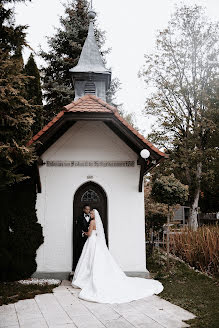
x=82, y=222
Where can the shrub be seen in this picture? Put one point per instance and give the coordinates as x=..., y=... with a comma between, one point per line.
x=20, y=233
x=198, y=248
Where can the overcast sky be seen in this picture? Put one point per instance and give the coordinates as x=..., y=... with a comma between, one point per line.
x=131, y=28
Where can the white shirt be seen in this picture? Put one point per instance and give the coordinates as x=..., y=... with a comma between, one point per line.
x=87, y=218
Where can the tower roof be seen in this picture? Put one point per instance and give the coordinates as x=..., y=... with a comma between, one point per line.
x=90, y=59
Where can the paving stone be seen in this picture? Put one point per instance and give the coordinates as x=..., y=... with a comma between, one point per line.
x=59, y=288
x=51, y=310
x=158, y=314
x=8, y=316
x=27, y=310
x=74, y=291
x=70, y=304
x=8, y=320
x=140, y=320
x=103, y=312
x=76, y=309
x=85, y=321
x=119, y=323
x=9, y=308
x=69, y=325
x=124, y=308
x=16, y=326
x=169, y=307
x=33, y=323
x=63, y=309
x=65, y=298
x=66, y=283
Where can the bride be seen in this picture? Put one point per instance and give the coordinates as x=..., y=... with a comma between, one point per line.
x=100, y=277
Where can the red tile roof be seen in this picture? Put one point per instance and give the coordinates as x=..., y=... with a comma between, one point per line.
x=90, y=103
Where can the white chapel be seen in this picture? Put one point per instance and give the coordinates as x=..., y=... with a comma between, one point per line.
x=88, y=154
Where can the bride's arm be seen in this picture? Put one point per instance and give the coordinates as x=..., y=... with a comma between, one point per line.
x=90, y=228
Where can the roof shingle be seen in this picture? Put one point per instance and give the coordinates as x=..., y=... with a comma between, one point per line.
x=91, y=103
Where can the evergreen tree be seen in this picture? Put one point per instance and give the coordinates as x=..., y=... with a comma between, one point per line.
x=65, y=49
x=20, y=234
x=16, y=114
x=34, y=93
x=33, y=87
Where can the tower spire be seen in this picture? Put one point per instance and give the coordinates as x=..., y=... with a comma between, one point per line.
x=90, y=69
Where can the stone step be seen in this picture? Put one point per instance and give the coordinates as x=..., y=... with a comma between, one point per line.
x=65, y=283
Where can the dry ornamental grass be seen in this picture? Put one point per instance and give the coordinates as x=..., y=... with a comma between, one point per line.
x=200, y=248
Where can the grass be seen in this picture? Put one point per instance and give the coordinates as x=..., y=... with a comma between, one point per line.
x=188, y=289
x=11, y=292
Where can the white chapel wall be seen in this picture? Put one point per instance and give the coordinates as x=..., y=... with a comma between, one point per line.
x=90, y=141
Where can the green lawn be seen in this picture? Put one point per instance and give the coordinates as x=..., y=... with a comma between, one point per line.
x=189, y=289
x=11, y=292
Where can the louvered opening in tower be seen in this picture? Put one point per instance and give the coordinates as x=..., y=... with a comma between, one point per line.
x=90, y=88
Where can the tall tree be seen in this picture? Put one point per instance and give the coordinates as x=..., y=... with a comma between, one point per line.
x=209, y=201
x=16, y=114
x=34, y=92
x=64, y=51
x=33, y=87
x=20, y=233
x=183, y=70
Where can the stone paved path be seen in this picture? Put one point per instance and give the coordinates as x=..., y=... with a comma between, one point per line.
x=63, y=309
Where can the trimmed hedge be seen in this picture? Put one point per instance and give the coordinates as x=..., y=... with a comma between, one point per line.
x=20, y=233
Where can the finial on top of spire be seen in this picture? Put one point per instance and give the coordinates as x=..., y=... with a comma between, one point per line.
x=91, y=14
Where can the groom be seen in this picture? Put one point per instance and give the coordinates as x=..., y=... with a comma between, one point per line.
x=84, y=221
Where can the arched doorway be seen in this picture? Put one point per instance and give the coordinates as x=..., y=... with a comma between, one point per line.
x=94, y=195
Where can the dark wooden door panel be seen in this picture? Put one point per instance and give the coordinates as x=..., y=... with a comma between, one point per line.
x=92, y=194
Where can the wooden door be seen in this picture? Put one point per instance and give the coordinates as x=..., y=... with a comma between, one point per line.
x=92, y=194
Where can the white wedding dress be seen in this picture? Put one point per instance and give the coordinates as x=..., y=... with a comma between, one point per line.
x=100, y=277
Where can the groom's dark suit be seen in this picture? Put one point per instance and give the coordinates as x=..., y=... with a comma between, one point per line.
x=83, y=224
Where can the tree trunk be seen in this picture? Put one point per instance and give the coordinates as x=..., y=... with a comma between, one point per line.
x=168, y=239
x=193, y=217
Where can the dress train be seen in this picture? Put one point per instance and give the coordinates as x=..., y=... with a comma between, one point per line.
x=102, y=280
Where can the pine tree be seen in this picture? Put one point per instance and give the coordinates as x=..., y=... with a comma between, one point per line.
x=65, y=49
x=34, y=92
x=20, y=234
x=16, y=114
x=33, y=87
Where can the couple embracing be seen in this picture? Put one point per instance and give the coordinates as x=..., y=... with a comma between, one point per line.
x=84, y=221
x=98, y=275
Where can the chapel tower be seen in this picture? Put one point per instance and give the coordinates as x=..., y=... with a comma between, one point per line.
x=90, y=76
